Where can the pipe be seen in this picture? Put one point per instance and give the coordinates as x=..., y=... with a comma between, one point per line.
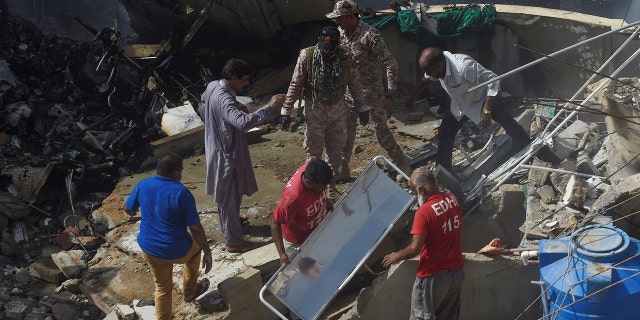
x=553, y=133
x=592, y=94
x=543, y=298
x=585, y=175
x=525, y=255
x=532, y=63
x=593, y=76
x=264, y=289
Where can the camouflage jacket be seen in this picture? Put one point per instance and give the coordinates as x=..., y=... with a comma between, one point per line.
x=301, y=85
x=369, y=52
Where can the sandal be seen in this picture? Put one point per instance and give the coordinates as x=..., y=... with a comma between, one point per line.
x=201, y=287
x=246, y=246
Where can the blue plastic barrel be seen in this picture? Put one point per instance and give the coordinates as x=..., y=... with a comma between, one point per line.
x=592, y=274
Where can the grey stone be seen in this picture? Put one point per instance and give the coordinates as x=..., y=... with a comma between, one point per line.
x=22, y=276
x=112, y=316
x=45, y=269
x=538, y=178
x=547, y=194
x=64, y=311
x=12, y=207
x=125, y=312
x=211, y=304
x=70, y=262
x=567, y=142
x=584, y=164
x=72, y=285
x=624, y=193
x=559, y=181
x=144, y=311
x=15, y=310
x=8, y=247
x=575, y=192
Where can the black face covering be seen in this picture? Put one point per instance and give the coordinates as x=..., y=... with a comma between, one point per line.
x=326, y=70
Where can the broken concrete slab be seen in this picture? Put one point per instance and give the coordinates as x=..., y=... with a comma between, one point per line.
x=15, y=310
x=144, y=310
x=567, y=142
x=547, y=194
x=499, y=216
x=484, y=285
x=392, y=288
x=125, y=312
x=538, y=178
x=481, y=287
x=584, y=164
x=425, y=130
x=576, y=192
x=45, y=269
x=241, y=290
x=128, y=242
x=265, y=259
x=71, y=263
x=621, y=199
x=112, y=316
x=111, y=214
x=241, y=293
x=181, y=143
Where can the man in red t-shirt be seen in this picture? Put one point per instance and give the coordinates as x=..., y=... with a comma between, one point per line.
x=436, y=231
x=303, y=206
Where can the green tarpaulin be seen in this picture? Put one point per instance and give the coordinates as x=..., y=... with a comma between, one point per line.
x=457, y=22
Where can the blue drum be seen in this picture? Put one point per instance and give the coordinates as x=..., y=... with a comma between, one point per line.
x=592, y=274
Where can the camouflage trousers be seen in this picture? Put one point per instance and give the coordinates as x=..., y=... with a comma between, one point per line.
x=378, y=120
x=326, y=129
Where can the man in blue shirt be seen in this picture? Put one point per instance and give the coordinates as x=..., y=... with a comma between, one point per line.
x=168, y=209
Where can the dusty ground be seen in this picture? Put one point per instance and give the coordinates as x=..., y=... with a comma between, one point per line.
x=282, y=153
x=275, y=158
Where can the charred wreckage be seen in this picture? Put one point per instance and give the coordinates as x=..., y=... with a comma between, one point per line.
x=76, y=116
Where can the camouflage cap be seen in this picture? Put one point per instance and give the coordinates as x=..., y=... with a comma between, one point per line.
x=343, y=8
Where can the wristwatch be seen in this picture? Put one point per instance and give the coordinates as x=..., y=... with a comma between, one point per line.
x=485, y=111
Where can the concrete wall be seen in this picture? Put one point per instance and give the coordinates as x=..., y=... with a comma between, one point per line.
x=493, y=288
x=539, y=30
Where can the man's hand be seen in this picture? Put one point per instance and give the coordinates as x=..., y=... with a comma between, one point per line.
x=284, y=259
x=390, y=259
x=129, y=212
x=207, y=261
x=276, y=100
x=285, y=121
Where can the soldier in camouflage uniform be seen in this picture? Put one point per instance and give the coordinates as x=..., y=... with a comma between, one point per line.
x=368, y=52
x=321, y=76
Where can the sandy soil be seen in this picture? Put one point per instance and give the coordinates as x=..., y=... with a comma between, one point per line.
x=125, y=277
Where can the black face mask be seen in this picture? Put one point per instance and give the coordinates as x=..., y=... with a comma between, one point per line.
x=328, y=56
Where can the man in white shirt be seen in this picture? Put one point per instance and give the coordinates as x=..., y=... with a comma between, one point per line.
x=456, y=74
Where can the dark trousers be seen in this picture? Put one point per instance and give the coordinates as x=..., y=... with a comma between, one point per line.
x=450, y=127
